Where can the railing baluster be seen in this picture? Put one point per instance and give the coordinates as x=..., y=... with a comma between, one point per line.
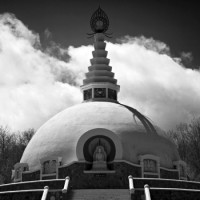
x=66, y=185
x=147, y=192
x=45, y=192
x=131, y=184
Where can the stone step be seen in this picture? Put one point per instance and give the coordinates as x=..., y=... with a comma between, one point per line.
x=99, y=194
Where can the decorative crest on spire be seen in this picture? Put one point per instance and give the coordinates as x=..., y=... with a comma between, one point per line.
x=99, y=22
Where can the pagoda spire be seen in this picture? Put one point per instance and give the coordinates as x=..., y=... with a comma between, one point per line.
x=100, y=84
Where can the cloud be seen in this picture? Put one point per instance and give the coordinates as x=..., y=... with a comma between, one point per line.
x=52, y=48
x=148, y=43
x=47, y=34
x=186, y=59
x=35, y=84
x=154, y=83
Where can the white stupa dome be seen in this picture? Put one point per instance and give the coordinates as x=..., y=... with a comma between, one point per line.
x=124, y=125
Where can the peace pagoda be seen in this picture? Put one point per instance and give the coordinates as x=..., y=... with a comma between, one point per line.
x=100, y=148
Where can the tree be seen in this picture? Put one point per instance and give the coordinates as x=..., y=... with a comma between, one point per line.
x=187, y=140
x=6, y=143
x=12, y=146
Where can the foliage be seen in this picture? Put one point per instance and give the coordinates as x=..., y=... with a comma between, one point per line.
x=187, y=140
x=12, y=146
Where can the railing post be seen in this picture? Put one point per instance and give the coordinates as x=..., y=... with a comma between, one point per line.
x=45, y=192
x=65, y=188
x=147, y=192
x=131, y=185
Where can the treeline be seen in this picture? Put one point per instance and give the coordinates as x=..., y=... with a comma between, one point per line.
x=187, y=140
x=12, y=146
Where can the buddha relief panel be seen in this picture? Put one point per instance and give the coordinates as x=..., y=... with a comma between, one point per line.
x=19, y=168
x=49, y=167
x=150, y=165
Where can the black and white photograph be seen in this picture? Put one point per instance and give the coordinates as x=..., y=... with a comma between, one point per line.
x=99, y=100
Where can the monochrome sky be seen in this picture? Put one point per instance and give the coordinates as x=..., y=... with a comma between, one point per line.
x=44, y=53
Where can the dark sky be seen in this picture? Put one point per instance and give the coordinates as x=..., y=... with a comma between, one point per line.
x=174, y=22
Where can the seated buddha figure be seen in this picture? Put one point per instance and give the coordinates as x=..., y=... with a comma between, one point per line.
x=99, y=158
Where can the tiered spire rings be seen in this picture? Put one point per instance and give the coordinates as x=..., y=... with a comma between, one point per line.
x=100, y=84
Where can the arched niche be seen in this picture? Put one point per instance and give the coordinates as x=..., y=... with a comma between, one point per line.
x=88, y=141
x=93, y=142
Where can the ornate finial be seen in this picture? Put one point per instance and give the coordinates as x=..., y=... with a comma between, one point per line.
x=99, y=22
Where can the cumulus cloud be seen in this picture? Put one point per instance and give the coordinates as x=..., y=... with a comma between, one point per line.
x=35, y=84
x=148, y=43
x=31, y=82
x=186, y=59
x=154, y=83
x=54, y=49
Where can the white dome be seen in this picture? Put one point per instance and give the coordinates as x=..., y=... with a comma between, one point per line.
x=134, y=135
